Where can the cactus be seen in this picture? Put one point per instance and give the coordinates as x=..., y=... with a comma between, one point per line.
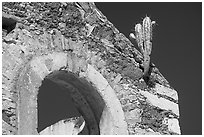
x=139, y=37
x=143, y=37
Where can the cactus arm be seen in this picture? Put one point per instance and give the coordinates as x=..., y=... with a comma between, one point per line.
x=143, y=37
x=139, y=37
x=147, y=36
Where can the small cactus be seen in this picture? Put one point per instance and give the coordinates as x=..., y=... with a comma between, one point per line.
x=143, y=37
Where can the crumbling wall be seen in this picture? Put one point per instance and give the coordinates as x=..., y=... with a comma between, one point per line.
x=83, y=35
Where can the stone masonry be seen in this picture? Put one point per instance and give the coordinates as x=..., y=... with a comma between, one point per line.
x=39, y=38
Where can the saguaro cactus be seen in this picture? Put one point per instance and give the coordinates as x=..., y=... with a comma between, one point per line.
x=143, y=37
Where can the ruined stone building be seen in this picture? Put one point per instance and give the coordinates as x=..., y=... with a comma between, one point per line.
x=66, y=66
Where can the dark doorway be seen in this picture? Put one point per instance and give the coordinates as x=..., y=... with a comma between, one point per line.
x=63, y=95
x=54, y=104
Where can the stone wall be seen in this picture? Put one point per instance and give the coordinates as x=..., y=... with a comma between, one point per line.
x=63, y=36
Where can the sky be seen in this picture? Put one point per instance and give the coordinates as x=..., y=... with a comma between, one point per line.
x=177, y=49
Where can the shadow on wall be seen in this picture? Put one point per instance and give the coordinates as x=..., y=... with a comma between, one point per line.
x=57, y=101
x=8, y=22
x=54, y=104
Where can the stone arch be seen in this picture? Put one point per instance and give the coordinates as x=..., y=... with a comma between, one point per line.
x=88, y=101
x=112, y=120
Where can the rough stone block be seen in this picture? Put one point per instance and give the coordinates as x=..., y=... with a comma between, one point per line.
x=25, y=42
x=7, y=129
x=8, y=63
x=49, y=64
x=133, y=72
x=139, y=131
x=45, y=42
x=128, y=106
x=69, y=62
x=13, y=120
x=7, y=83
x=116, y=80
x=78, y=64
x=166, y=91
x=66, y=45
x=161, y=102
x=59, y=60
x=8, y=104
x=6, y=94
x=57, y=41
x=133, y=116
x=15, y=51
x=39, y=67
x=31, y=46
x=173, y=126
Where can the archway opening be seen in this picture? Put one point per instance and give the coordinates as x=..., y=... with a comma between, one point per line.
x=63, y=95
